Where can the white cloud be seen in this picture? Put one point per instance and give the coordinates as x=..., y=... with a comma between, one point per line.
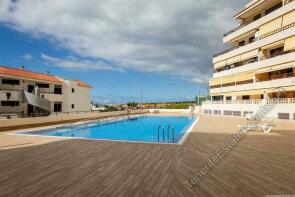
x=76, y=64
x=28, y=56
x=175, y=37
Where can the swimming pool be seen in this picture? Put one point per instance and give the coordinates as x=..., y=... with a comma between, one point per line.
x=140, y=129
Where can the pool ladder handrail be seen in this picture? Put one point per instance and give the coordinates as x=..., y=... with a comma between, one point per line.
x=170, y=127
x=163, y=133
x=173, y=132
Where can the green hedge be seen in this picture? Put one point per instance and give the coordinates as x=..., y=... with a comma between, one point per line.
x=177, y=106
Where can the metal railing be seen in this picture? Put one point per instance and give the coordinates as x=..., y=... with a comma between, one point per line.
x=248, y=23
x=173, y=132
x=170, y=128
x=252, y=101
x=225, y=51
x=236, y=28
x=37, y=101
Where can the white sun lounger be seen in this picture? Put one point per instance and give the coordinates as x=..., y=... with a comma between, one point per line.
x=266, y=128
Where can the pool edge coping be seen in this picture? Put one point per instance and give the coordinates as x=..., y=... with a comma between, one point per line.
x=22, y=133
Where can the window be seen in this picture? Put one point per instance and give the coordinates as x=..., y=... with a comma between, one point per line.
x=249, y=61
x=31, y=88
x=73, y=90
x=10, y=81
x=57, y=107
x=270, y=10
x=216, y=86
x=73, y=106
x=228, y=84
x=42, y=85
x=252, y=39
x=245, y=82
x=228, y=98
x=246, y=97
x=217, y=98
x=276, y=52
x=57, y=90
x=10, y=103
x=255, y=18
x=284, y=116
x=242, y=43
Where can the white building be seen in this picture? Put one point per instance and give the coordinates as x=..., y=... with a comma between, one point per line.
x=260, y=61
x=25, y=93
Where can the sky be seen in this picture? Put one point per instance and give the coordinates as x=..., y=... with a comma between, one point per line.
x=128, y=50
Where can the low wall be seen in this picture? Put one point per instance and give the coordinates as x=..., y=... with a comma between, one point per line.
x=23, y=123
x=184, y=111
x=279, y=111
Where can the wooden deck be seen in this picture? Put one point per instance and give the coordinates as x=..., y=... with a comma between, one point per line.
x=260, y=165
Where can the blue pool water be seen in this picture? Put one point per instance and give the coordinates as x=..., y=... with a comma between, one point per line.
x=133, y=129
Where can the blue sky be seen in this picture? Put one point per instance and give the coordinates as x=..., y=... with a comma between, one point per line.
x=109, y=86
x=122, y=48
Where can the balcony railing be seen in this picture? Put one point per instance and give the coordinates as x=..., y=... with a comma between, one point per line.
x=245, y=24
x=253, y=101
x=257, y=81
x=226, y=51
x=275, y=77
x=237, y=28
x=233, y=48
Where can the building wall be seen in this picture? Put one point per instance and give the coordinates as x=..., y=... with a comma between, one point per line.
x=81, y=98
x=270, y=32
x=249, y=77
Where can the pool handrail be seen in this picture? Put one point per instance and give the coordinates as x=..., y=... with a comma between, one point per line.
x=163, y=133
x=173, y=131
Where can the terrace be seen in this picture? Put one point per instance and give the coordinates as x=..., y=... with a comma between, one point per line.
x=103, y=168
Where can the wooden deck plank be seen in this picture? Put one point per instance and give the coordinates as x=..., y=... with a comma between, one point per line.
x=260, y=165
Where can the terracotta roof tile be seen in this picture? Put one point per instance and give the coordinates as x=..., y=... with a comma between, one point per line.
x=80, y=83
x=28, y=74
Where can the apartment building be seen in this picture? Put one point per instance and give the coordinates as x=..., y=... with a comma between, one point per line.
x=261, y=60
x=24, y=93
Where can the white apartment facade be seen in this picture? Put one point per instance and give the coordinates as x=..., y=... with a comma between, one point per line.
x=259, y=63
x=24, y=93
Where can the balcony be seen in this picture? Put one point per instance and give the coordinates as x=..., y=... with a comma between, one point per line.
x=286, y=81
x=237, y=28
x=250, y=26
x=225, y=51
x=279, y=76
x=279, y=36
x=259, y=17
x=277, y=7
x=286, y=57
